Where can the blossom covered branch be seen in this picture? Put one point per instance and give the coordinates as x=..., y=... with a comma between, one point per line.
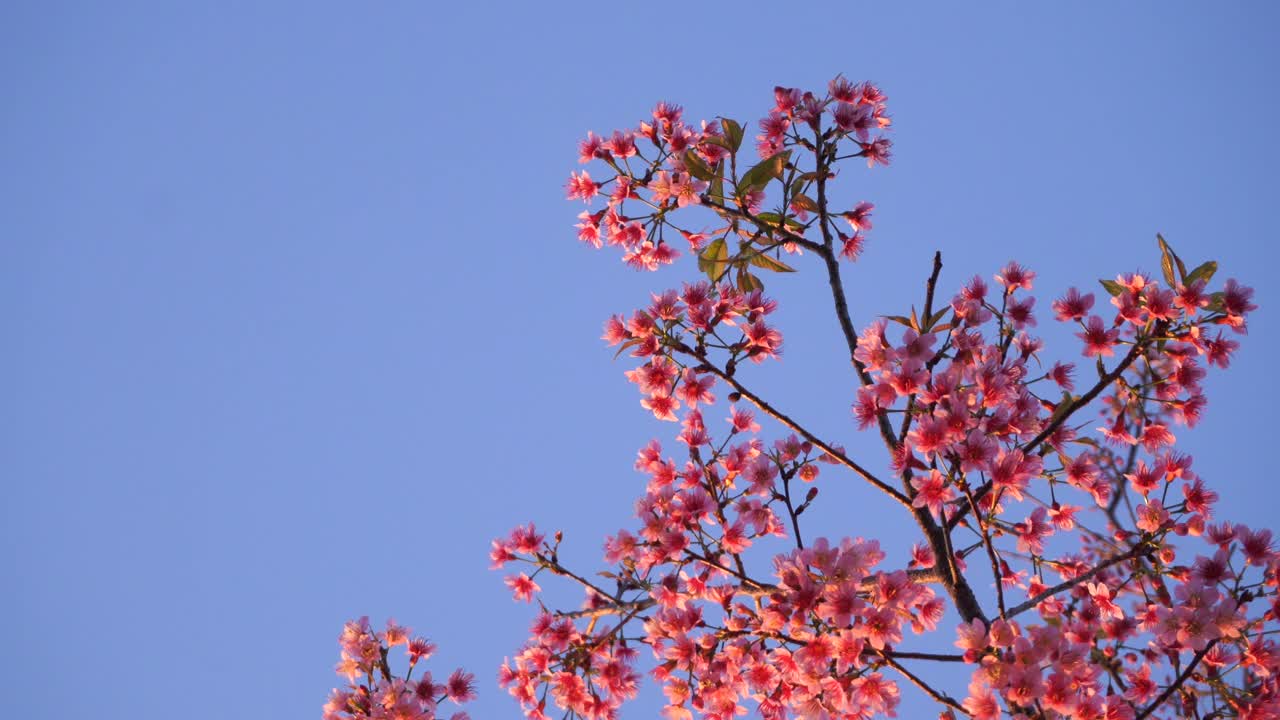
x=1142, y=606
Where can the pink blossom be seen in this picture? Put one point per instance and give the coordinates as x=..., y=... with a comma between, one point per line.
x=877, y=151
x=460, y=686
x=522, y=587
x=1073, y=305
x=972, y=639
x=1152, y=515
x=591, y=149
x=1015, y=277
x=743, y=420
x=621, y=145
x=860, y=216
x=932, y=492
x=581, y=186
x=857, y=119
x=1098, y=340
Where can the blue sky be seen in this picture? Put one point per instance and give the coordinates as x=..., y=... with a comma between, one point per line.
x=295, y=321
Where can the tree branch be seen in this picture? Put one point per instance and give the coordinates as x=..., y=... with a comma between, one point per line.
x=786, y=234
x=1173, y=687
x=1133, y=354
x=937, y=657
x=932, y=284
x=935, y=694
x=1135, y=551
x=781, y=417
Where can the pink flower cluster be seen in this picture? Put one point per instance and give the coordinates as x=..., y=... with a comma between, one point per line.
x=1093, y=657
x=666, y=165
x=701, y=313
x=374, y=692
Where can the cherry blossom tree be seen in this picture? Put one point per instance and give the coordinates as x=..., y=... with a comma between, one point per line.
x=1076, y=548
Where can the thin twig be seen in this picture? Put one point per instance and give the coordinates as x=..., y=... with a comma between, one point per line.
x=1133, y=354
x=935, y=694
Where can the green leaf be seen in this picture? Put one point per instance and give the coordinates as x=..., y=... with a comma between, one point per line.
x=898, y=319
x=719, y=141
x=1062, y=406
x=748, y=282
x=1216, y=303
x=804, y=202
x=937, y=317
x=626, y=344
x=696, y=166
x=716, y=190
x=800, y=184
x=772, y=220
x=708, y=254
x=1112, y=287
x=1165, y=249
x=760, y=175
x=714, y=259
x=768, y=262
x=1166, y=269
x=732, y=132
x=1204, y=272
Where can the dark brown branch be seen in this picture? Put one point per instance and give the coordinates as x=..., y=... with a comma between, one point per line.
x=851, y=337
x=791, y=510
x=611, y=609
x=756, y=584
x=781, y=231
x=1133, y=354
x=931, y=285
x=935, y=694
x=1135, y=551
x=1173, y=687
x=991, y=550
x=781, y=417
x=952, y=579
x=937, y=657
x=837, y=286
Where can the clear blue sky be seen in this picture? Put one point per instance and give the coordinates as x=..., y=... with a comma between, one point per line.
x=294, y=320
